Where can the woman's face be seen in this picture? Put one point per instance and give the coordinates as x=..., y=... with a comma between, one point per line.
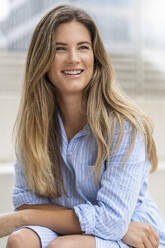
x=72, y=67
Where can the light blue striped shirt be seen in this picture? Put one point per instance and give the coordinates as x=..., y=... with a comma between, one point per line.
x=104, y=209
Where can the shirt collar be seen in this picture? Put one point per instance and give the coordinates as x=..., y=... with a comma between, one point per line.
x=82, y=132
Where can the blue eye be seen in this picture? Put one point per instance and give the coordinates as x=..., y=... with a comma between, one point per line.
x=83, y=47
x=60, y=48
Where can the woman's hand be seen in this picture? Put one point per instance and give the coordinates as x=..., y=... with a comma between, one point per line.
x=141, y=235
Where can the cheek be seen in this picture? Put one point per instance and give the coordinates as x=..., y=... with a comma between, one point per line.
x=53, y=70
x=55, y=65
x=90, y=62
x=91, y=66
x=50, y=73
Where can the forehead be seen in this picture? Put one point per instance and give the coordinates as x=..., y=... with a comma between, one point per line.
x=72, y=32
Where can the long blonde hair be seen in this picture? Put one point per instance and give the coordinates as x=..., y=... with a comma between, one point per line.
x=37, y=129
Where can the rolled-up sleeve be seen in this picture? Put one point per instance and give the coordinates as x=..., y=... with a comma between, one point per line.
x=21, y=194
x=118, y=193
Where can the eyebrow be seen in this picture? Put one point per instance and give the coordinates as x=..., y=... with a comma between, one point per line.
x=79, y=43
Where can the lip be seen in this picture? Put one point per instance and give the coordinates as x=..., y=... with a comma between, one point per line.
x=72, y=69
x=73, y=75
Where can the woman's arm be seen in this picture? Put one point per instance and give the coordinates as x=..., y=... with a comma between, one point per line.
x=54, y=217
x=59, y=218
x=50, y=218
x=117, y=196
x=9, y=222
x=138, y=234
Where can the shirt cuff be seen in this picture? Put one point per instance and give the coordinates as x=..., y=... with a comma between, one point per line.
x=86, y=215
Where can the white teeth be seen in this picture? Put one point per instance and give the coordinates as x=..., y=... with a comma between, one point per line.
x=72, y=72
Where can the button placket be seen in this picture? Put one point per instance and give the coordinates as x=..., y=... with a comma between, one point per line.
x=70, y=151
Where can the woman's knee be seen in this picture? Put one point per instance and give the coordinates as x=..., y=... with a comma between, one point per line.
x=15, y=240
x=59, y=242
x=73, y=241
x=23, y=238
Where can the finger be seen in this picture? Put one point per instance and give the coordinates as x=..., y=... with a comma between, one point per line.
x=154, y=239
x=147, y=243
x=142, y=246
x=151, y=235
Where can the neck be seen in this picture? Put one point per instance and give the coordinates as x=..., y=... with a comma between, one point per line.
x=73, y=113
x=71, y=107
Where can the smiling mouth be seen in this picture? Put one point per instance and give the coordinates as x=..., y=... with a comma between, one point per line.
x=72, y=72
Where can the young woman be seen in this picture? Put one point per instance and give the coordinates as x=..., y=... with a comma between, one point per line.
x=84, y=150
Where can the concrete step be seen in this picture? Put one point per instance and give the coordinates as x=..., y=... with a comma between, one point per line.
x=6, y=184
x=11, y=71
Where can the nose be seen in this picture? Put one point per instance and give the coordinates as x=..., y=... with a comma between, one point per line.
x=73, y=56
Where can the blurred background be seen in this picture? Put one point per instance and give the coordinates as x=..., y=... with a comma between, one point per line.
x=134, y=35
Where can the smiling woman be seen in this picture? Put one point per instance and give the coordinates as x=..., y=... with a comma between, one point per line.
x=84, y=151
x=72, y=67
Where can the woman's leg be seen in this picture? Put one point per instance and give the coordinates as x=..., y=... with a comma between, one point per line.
x=84, y=241
x=73, y=241
x=23, y=238
x=39, y=236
